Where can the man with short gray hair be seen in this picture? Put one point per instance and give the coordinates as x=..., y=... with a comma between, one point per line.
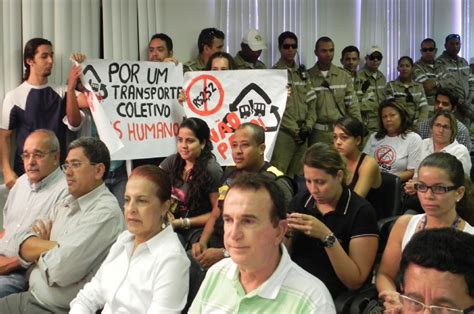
x=66, y=251
x=34, y=194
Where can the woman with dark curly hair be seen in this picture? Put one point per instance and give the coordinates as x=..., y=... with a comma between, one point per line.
x=395, y=147
x=195, y=177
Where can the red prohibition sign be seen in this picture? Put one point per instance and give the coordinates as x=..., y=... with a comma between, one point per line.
x=210, y=87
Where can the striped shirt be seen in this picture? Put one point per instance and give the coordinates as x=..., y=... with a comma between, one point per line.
x=457, y=75
x=290, y=289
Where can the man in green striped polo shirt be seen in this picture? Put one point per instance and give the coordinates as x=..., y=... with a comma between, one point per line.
x=259, y=276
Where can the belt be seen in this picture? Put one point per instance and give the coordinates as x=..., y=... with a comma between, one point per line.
x=323, y=127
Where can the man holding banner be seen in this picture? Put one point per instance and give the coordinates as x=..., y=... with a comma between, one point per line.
x=135, y=111
x=160, y=49
x=35, y=104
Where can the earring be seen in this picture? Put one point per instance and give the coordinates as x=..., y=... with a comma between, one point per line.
x=163, y=225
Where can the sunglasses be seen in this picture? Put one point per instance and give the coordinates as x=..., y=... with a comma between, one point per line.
x=372, y=57
x=288, y=46
x=431, y=49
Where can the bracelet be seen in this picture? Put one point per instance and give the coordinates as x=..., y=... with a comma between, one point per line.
x=186, y=223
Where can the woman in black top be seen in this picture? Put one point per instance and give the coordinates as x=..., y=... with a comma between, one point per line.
x=195, y=178
x=334, y=230
x=363, y=171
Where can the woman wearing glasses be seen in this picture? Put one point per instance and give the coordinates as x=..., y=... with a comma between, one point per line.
x=443, y=139
x=446, y=197
x=408, y=92
x=395, y=147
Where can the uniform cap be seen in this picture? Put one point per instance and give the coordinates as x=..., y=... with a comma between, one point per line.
x=374, y=50
x=254, y=40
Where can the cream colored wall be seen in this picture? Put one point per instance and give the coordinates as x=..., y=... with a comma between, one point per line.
x=183, y=20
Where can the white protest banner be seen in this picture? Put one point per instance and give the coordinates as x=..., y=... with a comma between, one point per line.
x=104, y=128
x=139, y=100
x=226, y=99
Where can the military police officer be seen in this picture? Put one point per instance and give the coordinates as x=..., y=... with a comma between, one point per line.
x=300, y=113
x=334, y=91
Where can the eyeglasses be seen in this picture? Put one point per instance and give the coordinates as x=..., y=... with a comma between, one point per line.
x=35, y=155
x=413, y=306
x=75, y=165
x=431, y=49
x=409, y=96
x=288, y=46
x=436, y=189
x=442, y=126
x=375, y=57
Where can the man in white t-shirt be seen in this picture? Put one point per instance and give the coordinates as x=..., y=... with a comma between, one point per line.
x=36, y=105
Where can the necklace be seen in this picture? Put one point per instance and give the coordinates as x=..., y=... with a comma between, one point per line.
x=424, y=222
x=187, y=174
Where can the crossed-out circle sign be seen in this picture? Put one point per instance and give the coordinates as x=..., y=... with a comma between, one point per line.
x=208, y=95
x=385, y=154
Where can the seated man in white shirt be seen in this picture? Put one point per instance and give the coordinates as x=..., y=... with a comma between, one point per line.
x=33, y=195
x=66, y=251
x=259, y=276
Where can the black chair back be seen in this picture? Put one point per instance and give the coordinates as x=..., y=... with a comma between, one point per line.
x=387, y=199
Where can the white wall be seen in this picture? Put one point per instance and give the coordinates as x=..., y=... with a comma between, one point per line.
x=183, y=20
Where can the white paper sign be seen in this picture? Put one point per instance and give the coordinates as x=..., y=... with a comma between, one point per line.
x=225, y=99
x=139, y=101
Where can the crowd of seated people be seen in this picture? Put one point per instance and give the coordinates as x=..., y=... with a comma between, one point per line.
x=201, y=238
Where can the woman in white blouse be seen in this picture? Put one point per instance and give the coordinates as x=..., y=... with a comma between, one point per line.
x=443, y=139
x=147, y=270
